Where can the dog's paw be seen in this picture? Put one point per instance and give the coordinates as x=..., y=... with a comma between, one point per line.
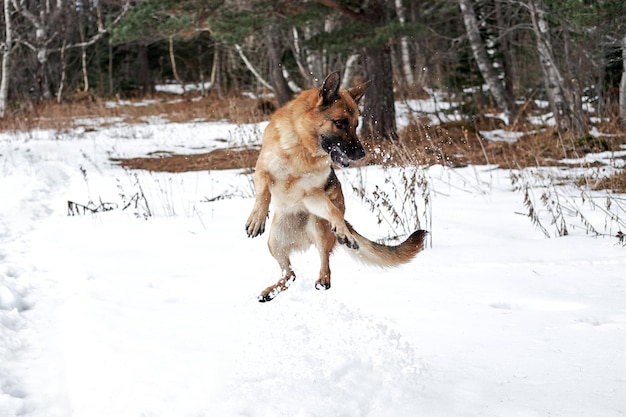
x=351, y=243
x=321, y=284
x=266, y=297
x=270, y=293
x=255, y=225
x=344, y=237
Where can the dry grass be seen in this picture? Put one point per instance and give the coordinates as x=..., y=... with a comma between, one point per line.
x=452, y=144
x=217, y=159
x=51, y=115
x=459, y=144
x=616, y=183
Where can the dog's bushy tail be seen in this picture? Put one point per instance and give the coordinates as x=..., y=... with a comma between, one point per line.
x=384, y=256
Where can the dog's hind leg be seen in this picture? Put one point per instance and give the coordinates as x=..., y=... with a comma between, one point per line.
x=287, y=279
x=325, y=241
x=286, y=235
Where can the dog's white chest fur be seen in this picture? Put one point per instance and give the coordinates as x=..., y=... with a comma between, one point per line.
x=288, y=191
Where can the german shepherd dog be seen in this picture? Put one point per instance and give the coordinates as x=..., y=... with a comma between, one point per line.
x=295, y=172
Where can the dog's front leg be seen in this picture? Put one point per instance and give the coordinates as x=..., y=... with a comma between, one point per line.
x=320, y=205
x=255, y=225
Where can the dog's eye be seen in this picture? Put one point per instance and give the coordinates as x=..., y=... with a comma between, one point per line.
x=341, y=124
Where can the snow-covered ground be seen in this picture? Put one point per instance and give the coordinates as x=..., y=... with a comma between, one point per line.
x=175, y=88
x=120, y=314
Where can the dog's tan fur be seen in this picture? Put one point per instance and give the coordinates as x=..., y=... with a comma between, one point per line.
x=294, y=171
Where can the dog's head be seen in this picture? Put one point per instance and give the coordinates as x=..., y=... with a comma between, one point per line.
x=340, y=112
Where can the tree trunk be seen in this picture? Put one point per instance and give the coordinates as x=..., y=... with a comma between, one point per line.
x=306, y=59
x=83, y=53
x=420, y=61
x=144, y=70
x=63, y=73
x=314, y=61
x=42, y=60
x=110, y=67
x=42, y=70
x=405, y=57
x=201, y=72
x=251, y=68
x=298, y=54
x=503, y=22
x=561, y=103
x=348, y=72
x=622, y=86
x=213, y=82
x=48, y=17
x=379, y=115
x=173, y=61
x=503, y=99
x=6, y=59
x=572, y=89
x=275, y=53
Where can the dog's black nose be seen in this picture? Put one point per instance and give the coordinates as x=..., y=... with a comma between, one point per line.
x=355, y=150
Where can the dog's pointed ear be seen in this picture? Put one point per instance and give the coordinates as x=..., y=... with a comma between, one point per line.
x=358, y=91
x=329, y=91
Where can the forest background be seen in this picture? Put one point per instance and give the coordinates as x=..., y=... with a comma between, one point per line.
x=490, y=55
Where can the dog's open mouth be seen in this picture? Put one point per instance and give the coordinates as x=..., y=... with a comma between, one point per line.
x=342, y=152
x=339, y=157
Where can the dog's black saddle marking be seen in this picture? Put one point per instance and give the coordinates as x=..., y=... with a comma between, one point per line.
x=332, y=180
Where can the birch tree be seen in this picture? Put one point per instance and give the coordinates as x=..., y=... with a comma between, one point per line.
x=405, y=57
x=311, y=62
x=503, y=22
x=622, y=85
x=567, y=116
x=304, y=58
x=6, y=48
x=315, y=59
x=504, y=99
x=43, y=19
x=53, y=33
x=349, y=71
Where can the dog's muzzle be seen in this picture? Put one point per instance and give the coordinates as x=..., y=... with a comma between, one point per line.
x=341, y=151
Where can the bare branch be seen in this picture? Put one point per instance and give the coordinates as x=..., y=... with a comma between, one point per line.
x=101, y=29
x=28, y=15
x=250, y=67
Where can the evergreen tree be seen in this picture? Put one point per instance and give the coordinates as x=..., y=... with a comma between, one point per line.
x=341, y=27
x=152, y=20
x=266, y=26
x=155, y=20
x=597, y=29
x=368, y=28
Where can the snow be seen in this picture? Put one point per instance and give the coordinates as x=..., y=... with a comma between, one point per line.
x=119, y=314
x=501, y=135
x=437, y=108
x=610, y=158
x=174, y=88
